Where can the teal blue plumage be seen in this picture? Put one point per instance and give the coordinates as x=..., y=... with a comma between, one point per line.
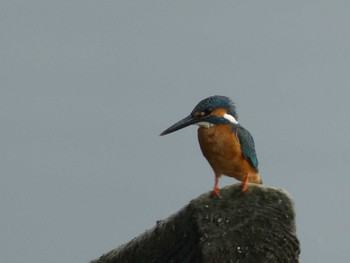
x=247, y=144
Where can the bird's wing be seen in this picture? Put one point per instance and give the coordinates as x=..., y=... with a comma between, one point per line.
x=247, y=145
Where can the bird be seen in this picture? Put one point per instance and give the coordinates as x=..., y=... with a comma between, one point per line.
x=228, y=147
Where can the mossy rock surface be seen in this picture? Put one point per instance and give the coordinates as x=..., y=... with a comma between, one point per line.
x=251, y=227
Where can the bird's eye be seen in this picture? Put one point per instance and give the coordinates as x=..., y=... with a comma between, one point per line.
x=206, y=112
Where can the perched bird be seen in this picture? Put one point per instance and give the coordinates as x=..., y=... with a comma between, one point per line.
x=228, y=147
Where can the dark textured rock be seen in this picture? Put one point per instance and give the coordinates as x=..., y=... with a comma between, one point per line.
x=255, y=226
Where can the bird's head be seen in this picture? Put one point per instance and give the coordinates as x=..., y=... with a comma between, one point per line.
x=207, y=113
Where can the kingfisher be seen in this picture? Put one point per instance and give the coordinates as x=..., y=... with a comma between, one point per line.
x=228, y=147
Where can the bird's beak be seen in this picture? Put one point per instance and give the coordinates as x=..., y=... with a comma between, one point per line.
x=182, y=124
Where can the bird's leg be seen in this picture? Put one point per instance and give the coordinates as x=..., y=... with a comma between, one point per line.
x=216, y=191
x=245, y=183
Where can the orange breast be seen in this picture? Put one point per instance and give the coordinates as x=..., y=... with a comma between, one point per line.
x=221, y=148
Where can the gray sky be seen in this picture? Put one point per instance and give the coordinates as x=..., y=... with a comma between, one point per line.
x=87, y=86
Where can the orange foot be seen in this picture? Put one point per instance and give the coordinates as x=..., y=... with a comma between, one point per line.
x=216, y=192
x=245, y=183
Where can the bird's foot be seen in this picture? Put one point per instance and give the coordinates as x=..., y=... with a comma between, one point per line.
x=245, y=183
x=216, y=193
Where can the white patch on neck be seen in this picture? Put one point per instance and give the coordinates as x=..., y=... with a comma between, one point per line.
x=204, y=124
x=230, y=118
